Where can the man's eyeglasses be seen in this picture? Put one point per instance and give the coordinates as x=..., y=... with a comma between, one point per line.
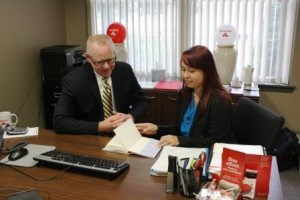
x=109, y=61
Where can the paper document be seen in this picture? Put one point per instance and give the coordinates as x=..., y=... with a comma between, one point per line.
x=128, y=140
x=216, y=161
x=32, y=131
x=160, y=167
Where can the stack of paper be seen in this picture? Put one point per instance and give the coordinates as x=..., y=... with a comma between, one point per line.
x=160, y=167
x=216, y=161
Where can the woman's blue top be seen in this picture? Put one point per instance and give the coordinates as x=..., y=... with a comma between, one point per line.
x=188, y=118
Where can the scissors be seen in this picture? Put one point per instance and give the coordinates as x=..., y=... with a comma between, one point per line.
x=200, y=161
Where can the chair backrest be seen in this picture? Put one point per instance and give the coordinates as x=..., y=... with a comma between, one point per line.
x=255, y=124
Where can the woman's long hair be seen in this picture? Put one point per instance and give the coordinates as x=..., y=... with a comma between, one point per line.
x=200, y=57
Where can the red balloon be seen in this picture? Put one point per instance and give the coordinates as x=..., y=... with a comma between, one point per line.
x=117, y=32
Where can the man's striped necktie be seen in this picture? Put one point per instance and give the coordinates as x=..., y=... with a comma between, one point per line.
x=107, y=99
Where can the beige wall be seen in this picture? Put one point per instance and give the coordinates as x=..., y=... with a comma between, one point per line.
x=76, y=26
x=26, y=27
x=288, y=104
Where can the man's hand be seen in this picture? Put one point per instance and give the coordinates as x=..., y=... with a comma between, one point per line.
x=119, y=118
x=113, y=122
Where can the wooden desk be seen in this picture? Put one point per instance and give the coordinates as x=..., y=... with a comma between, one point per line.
x=162, y=108
x=135, y=183
x=237, y=93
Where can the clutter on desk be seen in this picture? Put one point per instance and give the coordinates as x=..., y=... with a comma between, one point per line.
x=190, y=176
x=251, y=88
x=160, y=167
x=214, y=191
x=236, y=83
x=248, y=173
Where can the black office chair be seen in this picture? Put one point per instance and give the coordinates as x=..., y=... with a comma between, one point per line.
x=255, y=124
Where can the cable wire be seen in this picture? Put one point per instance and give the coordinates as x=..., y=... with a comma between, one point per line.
x=34, y=178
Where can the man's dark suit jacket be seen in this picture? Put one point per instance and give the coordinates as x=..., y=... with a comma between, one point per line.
x=80, y=109
x=212, y=126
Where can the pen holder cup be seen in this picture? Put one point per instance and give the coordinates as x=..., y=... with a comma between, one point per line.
x=189, y=179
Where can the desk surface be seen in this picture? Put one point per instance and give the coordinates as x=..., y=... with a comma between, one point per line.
x=134, y=183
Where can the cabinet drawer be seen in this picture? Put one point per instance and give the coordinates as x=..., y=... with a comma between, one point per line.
x=168, y=107
x=153, y=113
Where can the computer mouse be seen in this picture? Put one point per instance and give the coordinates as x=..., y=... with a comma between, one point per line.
x=15, y=155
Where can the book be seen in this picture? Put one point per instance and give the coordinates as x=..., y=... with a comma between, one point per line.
x=168, y=85
x=160, y=167
x=217, y=150
x=128, y=140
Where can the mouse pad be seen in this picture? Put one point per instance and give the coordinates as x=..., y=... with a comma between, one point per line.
x=27, y=161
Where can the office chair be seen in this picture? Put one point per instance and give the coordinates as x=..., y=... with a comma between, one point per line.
x=255, y=124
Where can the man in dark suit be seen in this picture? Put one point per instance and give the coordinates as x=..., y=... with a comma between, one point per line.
x=80, y=108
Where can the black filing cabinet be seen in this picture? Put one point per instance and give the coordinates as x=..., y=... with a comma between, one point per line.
x=51, y=94
x=57, y=61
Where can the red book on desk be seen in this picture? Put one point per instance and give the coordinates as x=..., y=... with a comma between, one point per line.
x=168, y=85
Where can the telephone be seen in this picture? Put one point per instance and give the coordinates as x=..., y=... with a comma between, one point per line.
x=15, y=130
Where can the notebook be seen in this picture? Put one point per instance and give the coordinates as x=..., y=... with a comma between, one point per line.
x=168, y=85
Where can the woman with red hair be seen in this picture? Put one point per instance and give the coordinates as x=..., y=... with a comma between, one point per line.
x=204, y=107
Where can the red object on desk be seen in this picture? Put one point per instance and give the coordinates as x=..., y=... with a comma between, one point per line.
x=235, y=165
x=168, y=85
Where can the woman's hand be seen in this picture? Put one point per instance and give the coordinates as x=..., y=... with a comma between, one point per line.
x=147, y=128
x=170, y=140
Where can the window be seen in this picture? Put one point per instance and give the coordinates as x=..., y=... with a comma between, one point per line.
x=159, y=30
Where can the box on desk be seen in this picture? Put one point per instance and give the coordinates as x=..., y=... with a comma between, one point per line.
x=158, y=75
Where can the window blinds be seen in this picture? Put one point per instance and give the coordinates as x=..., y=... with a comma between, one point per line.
x=159, y=30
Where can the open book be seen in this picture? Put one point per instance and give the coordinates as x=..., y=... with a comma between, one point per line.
x=160, y=167
x=128, y=140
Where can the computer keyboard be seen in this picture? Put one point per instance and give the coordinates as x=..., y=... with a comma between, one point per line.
x=82, y=162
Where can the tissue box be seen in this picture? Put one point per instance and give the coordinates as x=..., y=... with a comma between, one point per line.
x=158, y=75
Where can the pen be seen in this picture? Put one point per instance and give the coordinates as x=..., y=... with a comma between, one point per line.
x=190, y=163
x=185, y=163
